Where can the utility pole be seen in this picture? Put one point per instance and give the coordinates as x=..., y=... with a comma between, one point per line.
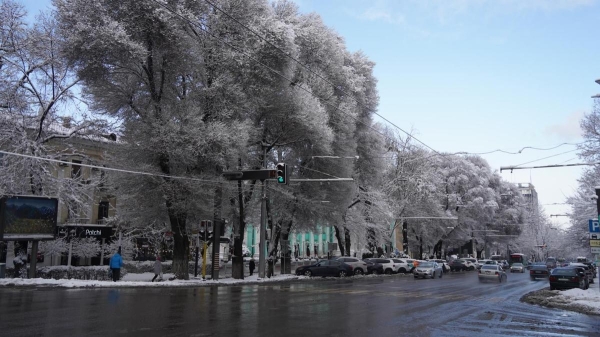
x=597, y=188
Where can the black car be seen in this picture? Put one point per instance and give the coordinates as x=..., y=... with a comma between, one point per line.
x=588, y=271
x=374, y=267
x=326, y=268
x=458, y=265
x=538, y=270
x=566, y=278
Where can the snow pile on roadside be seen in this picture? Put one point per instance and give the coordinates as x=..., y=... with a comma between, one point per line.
x=589, y=298
x=141, y=280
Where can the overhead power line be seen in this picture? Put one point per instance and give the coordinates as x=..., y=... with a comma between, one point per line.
x=545, y=166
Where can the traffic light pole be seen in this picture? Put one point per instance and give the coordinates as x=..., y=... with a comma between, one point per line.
x=263, y=222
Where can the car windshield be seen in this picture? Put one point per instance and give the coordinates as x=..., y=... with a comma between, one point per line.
x=517, y=265
x=426, y=265
x=490, y=267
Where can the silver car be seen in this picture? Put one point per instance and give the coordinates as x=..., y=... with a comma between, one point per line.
x=492, y=272
x=428, y=269
x=517, y=268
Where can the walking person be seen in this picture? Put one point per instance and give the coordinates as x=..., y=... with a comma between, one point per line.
x=116, y=261
x=157, y=269
x=251, y=266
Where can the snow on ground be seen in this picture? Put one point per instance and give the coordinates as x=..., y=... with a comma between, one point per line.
x=589, y=298
x=141, y=280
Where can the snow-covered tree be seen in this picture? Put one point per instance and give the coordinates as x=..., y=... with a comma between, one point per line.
x=85, y=247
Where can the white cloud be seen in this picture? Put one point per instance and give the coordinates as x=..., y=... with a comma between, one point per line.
x=569, y=129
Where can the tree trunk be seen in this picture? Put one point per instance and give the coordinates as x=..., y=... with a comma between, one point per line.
x=347, y=241
x=237, y=266
x=181, y=242
x=338, y=236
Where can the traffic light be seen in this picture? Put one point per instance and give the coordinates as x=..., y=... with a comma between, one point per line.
x=282, y=173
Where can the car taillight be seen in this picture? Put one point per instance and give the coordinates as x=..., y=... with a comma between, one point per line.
x=575, y=279
x=531, y=272
x=552, y=278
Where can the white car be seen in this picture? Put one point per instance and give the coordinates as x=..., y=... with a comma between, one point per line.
x=473, y=261
x=404, y=266
x=389, y=266
x=444, y=264
x=359, y=266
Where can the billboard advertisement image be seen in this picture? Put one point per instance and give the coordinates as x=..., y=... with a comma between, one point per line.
x=28, y=218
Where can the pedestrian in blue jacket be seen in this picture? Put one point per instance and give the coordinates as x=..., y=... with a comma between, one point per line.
x=115, y=265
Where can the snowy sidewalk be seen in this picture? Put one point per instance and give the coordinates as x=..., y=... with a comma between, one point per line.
x=143, y=280
x=589, y=298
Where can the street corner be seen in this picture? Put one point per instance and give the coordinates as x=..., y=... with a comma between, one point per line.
x=576, y=300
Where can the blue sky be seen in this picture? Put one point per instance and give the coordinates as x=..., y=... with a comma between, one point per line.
x=479, y=75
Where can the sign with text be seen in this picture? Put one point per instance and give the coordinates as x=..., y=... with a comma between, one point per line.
x=594, y=243
x=595, y=250
x=594, y=226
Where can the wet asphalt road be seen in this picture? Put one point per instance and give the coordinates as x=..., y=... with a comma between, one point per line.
x=456, y=305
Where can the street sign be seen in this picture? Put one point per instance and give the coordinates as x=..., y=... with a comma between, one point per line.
x=594, y=243
x=594, y=236
x=595, y=250
x=594, y=226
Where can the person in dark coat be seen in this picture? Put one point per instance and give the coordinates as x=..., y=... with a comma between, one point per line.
x=251, y=266
x=157, y=268
x=116, y=262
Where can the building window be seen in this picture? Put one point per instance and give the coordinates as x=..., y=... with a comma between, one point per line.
x=76, y=169
x=103, y=210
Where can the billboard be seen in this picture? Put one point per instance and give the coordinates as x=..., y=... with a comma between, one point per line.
x=28, y=218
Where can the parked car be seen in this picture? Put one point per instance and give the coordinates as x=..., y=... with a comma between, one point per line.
x=359, y=266
x=461, y=264
x=373, y=267
x=403, y=266
x=472, y=260
x=326, y=268
x=490, y=272
x=588, y=270
x=484, y=261
x=538, y=270
x=517, y=268
x=566, y=278
x=585, y=273
x=444, y=264
x=428, y=269
x=389, y=266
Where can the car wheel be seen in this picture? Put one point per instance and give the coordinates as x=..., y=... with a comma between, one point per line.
x=342, y=273
x=471, y=268
x=388, y=272
x=308, y=273
x=358, y=271
x=402, y=270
